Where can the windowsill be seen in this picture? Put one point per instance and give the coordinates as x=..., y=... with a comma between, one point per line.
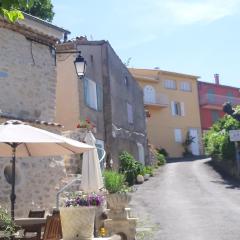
x=171, y=88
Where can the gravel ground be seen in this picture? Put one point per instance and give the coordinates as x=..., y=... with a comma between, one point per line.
x=187, y=200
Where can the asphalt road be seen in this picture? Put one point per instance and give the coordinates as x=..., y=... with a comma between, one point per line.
x=187, y=200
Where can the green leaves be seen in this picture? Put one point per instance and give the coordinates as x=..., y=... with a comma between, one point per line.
x=11, y=15
x=10, y=9
x=216, y=141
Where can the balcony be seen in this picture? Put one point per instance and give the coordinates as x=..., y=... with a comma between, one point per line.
x=214, y=101
x=161, y=100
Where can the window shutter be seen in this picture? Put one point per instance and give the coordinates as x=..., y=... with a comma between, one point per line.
x=182, y=109
x=99, y=97
x=178, y=135
x=86, y=97
x=173, y=108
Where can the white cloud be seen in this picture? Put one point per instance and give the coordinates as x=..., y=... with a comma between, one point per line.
x=189, y=12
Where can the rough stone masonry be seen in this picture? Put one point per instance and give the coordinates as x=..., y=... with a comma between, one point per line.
x=27, y=91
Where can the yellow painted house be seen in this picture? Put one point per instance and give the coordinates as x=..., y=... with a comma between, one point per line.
x=171, y=100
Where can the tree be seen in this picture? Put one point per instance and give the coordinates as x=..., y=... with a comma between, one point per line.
x=9, y=9
x=41, y=8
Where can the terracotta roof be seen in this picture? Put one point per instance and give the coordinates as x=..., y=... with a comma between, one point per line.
x=29, y=33
x=33, y=121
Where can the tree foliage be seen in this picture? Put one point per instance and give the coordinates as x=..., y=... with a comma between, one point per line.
x=10, y=9
x=42, y=9
x=217, y=142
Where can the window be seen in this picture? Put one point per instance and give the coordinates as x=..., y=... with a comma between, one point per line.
x=149, y=94
x=93, y=94
x=230, y=96
x=185, y=86
x=141, y=155
x=177, y=108
x=211, y=95
x=215, y=115
x=178, y=135
x=170, y=84
x=130, y=113
x=126, y=81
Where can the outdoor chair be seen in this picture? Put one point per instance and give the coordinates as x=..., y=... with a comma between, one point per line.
x=34, y=229
x=52, y=228
x=51, y=231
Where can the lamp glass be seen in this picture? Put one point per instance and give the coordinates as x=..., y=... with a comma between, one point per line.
x=80, y=65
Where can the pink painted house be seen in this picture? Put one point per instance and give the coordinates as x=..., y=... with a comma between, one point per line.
x=211, y=98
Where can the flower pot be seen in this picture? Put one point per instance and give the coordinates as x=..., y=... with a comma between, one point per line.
x=118, y=201
x=77, y=223
x=146, y=177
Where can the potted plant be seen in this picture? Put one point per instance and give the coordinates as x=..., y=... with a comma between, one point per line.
x=118, y=197
x=186, y=144
x=77, y=217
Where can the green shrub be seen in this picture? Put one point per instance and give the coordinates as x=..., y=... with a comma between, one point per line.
x=148, y=170
x=130, y=167
x=161, y=160
x=162, y=151
x=6, y=224
x=114, y=181
x=216, y=141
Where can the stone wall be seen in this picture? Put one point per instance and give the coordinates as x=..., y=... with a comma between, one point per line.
x=27, y=91
x=37, y=182
x=27, y=77
x=124, y=89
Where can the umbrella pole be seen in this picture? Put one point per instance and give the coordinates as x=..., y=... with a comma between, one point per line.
x=13, y=195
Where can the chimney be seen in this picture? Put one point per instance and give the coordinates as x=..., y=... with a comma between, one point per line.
x=216, y=78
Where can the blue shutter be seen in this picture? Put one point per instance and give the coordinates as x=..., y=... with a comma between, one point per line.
x=99, y=97
x=86, y=97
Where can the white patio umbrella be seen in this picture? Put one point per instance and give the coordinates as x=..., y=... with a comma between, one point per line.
x=17, y=139
x=91, y=172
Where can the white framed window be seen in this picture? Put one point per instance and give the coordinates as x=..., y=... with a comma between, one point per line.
x=177, y=108
x=130, y=113
x=178, y=135
x=149, y=94
x=92, y=94
x=185, y=86
x=170, y=84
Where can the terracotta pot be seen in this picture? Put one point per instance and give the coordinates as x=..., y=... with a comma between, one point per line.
x=77, y=222
x=118, y=201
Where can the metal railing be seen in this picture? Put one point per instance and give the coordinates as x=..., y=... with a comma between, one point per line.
x=216, y=99
x=77, y=180
x=159, y=100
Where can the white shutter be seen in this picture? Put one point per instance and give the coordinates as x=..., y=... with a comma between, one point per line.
x=178, y=135
x=182, y=109
x=92, y=93
x=173, y=108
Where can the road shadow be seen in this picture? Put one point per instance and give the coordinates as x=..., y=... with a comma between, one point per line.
x=185, y=159
x=229, y=181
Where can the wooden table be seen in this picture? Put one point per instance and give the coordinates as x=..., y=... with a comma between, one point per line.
x=25, y=222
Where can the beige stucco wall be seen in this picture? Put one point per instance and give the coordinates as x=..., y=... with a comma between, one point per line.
x=67, y=98
x=161, y=124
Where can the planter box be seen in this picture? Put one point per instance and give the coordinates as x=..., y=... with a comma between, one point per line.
x=77, y=223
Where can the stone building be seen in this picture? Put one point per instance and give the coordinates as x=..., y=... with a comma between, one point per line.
x=28, y=92
x=107, y=95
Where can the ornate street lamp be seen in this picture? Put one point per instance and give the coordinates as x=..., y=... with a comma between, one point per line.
x=80, y=65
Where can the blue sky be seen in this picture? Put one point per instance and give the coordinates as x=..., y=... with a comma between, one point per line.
x=199, y=37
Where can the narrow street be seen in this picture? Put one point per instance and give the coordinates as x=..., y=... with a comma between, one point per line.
x=188, y=200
